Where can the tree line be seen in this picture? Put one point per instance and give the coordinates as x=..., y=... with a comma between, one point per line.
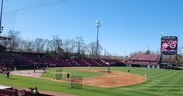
x=56, y=46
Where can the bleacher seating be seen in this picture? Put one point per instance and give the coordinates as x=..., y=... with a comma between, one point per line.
x=81, y=62
x=101, y=63
x=151, y=59
x=23, y=61
x=91, y=62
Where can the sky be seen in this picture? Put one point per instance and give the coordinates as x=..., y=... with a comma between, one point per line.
x=126, y=25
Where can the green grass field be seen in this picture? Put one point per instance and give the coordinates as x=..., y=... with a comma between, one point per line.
x=51, y=73
x=160, y=83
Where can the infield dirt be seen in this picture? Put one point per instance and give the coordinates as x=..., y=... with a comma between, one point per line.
x=112, y=79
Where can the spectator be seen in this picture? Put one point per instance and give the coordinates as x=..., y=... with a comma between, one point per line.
x=8, y=74
x=15, y=68
x=44, y=70
x=109, y=69
x=145, y=75
x=128, y=70
x=35, y=91
x=34, y=69
x=68, y=75
x=168, y=70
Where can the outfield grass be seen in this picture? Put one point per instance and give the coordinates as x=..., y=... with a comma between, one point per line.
x=160, y=83
x=50, y=73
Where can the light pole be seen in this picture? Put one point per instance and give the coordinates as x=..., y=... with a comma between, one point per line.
x=1, y=16
x=97, y=47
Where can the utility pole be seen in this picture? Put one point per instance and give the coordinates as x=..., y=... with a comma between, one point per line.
x=1, y=16
x=97, y=47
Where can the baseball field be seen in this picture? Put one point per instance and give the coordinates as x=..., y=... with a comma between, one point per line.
x=159, y=82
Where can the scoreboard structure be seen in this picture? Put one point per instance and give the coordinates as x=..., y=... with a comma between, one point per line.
x=169, y=45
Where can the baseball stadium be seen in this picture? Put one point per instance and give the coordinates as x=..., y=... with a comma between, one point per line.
x=72, y=67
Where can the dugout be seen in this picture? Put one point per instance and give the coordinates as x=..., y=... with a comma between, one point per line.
x=117, y=64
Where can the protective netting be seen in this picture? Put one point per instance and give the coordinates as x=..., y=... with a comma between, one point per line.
x=76, y=82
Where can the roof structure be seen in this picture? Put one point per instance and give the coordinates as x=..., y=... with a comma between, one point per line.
x=5, y=38
x=151, y=57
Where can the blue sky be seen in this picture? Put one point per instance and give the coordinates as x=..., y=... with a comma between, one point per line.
x=130, y=25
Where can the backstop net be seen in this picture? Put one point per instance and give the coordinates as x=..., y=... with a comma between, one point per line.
x=76, y=82
x=58, y=73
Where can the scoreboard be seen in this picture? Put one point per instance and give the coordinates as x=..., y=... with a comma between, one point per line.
x=169, y=45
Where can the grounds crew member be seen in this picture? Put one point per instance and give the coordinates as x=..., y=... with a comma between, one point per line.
x=68, y=75
x=8, y=74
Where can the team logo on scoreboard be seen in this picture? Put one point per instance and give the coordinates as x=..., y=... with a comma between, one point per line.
x=164, y=45
x=173, y=45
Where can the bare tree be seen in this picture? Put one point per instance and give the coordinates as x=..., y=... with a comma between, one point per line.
x=92, y=49
x=69, y=45
x=28, y=46
x=4, y=43
x=55, y=46
x=21, y=46
x=14, y=42
x=55, y=43
x=80, y=45
x=39, y=44
x=66, y=44
x=100, y=48
x=72, y=45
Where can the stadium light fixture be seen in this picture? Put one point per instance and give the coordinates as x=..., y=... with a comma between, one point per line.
x=1, y=16
x=98, y=24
